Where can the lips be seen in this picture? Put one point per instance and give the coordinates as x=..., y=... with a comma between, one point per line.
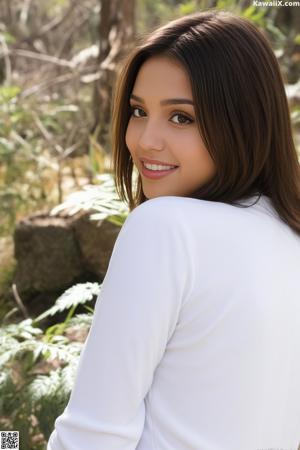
x=155, y=161
x=156, y=174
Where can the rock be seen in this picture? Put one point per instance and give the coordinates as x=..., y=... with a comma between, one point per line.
x=54, y=252
x=96, y=240
x=48, y=257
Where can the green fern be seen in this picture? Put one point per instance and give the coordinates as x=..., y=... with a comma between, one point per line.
x=101, y=198
x=78, y=294
x=31, y=395
x=49, y=395
x=81, y=319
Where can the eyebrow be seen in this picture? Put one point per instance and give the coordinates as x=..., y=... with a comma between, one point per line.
x=168, y=101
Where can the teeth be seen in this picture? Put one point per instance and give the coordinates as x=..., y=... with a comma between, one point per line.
x=157, y=167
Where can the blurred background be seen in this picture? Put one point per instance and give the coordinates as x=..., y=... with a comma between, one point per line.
x=59, y=212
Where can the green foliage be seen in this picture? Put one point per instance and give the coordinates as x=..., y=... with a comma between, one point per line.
x=80, y=293
x=44, y=116
x=101, y=198
x=7, y=93
x=32, y=151
x=7, y=273
x=7, y=37
x=21, y=163
x=295, y=115
x=48, y=395
x=188, y=7
x=297, y=39
x=38, y=368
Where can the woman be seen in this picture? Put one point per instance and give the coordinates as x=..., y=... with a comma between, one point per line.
x=195, y=340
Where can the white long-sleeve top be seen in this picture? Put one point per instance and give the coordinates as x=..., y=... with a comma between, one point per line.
x=195, y=338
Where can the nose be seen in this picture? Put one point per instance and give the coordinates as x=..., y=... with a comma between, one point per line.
x=151, y=137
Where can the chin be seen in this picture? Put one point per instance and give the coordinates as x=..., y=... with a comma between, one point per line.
x=161, y=194
x=152, y=193
x=149, y=196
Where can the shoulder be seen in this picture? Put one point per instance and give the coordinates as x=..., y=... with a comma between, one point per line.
x=154, y=232
x=152, y=211
x=162, y=219
x=182, y=222
x=154, y=215
x=207, y=220
x=167, y=209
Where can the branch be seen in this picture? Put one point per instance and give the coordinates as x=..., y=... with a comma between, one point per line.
x=57, y=21
x=8, y=73
x=25, y=11
x=61, y=79
x=19, y=301
x=47, y=84
x=50, y=26
x=39, y=57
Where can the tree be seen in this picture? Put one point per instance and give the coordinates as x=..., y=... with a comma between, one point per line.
x=116, y=33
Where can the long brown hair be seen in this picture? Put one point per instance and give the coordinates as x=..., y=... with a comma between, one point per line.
x=240, y=105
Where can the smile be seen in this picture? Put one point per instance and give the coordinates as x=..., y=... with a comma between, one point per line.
x=159, y=172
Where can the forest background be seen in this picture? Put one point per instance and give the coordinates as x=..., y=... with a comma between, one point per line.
x=58, y=65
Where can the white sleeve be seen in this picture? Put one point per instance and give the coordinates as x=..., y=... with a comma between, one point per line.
x=135, y=315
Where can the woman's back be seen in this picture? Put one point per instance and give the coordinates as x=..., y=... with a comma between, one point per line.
x=229, y=379
x=197, y=347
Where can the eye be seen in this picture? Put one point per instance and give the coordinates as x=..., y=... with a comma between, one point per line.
x=133, y=109
x=182, y=119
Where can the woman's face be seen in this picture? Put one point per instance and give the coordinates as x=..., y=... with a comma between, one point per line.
x=162, y=130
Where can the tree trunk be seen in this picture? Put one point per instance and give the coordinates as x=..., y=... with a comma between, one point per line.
x=116, y=34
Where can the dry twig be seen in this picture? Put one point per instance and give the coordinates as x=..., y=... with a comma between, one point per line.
x=19, y=302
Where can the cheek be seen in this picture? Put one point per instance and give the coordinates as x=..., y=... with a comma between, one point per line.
x=197, y=157
x=131, y=139
x=190, y=148
x=128, y=141
x=206, y=165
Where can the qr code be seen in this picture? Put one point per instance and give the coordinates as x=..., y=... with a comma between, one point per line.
x=9, y=439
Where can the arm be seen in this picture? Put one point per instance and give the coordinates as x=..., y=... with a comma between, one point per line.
x=135, y=316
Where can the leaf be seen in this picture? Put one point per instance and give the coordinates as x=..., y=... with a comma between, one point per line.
x=7, y=37
x=78, y=294
x=7, y=93
x=101, y=198
x=21, y=330
x=297, y=39
x=82, y=320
